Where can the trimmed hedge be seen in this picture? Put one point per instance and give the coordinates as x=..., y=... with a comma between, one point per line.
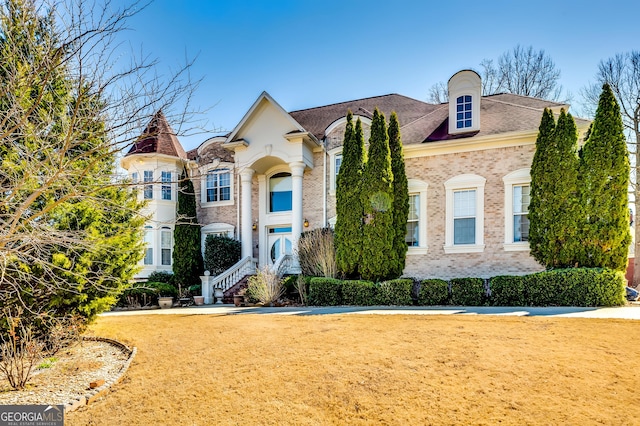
x=359, y=292
x=508, y=290
x=325, y=292
x=468, y=292
x=433, y=292
x=561, y=287
x=395, y=292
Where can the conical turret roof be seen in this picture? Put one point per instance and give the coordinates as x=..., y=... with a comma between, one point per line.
x=158, y=137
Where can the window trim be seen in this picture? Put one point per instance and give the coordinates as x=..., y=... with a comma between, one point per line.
x=333, y=177
x=217, y=169
x=459, y=183
x=419, y=188
x=148, y=231
x=147, y=179
x=166, y=230
x=515, y=178
x=217, y=228
x=166, y=184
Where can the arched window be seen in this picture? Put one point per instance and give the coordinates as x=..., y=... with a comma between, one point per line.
x=280, y=187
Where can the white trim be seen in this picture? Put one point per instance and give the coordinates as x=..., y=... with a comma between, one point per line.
x=364, y=120
x=333, y=154
x=457, y=183
x=518, y=177
x=419, y=188
x=216, y=228
x=216, y=167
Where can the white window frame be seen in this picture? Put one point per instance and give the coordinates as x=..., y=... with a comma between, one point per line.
x=148, y=184
x=148, y=240
x=460, y=183
x=516, y=178
x=333, y=175
x=166, y=184
x=419, y=188
x=217, y=169
x=166, y=231
x=218, y=228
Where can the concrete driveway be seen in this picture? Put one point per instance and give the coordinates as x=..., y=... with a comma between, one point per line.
x=631, y=311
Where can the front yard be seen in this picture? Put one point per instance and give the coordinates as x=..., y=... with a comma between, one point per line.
x=367, y=369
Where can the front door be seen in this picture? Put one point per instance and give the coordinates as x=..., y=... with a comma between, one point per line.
x=279, y=243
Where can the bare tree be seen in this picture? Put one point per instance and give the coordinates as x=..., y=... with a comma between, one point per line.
x=524, y=71
x=70, y=231
x=622, y=73
x=521, y=71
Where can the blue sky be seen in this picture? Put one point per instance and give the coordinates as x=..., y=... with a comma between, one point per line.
x=314, y=52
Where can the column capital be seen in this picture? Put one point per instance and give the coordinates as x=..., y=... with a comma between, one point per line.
x=246, y=174
x=297, y=168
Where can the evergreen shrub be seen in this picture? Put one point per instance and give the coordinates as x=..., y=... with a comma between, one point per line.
x=359, y=293
x=433, y=292
x=576, y=287
x=325, y=292
x=220, y=253
x=468, y=292
x=396, y=292
x=508, y=290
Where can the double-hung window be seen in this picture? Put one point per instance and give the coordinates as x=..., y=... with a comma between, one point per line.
x=464, y=231
x=148, y=187
x=166, y=185
x=218, y=186
x=148, y=240
x=517, y=189
x=413, y=221
x=165, y=245
x=464, y=217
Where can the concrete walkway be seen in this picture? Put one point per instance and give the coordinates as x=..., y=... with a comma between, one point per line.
x=631, y=311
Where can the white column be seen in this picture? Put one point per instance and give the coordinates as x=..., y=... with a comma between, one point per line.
x=297, y=171
x=246, y=233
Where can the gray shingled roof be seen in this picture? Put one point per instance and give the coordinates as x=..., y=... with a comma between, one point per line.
x=423, y=122
x=158, y=137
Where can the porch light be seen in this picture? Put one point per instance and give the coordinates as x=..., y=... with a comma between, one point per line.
x=255, y=225
x=306, y=223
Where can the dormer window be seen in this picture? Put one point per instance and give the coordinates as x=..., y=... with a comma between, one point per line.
x=463, y=112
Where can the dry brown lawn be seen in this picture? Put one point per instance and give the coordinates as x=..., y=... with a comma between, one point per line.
x=361, y=369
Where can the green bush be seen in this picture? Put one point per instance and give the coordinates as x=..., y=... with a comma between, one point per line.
x=359, y=293
x=396, y=292
x=161, y=277
x=468, y=292
x=576, y=287
x=508, y=290
x=220, y=253
x=144, y=294
x=433, y=292
x=325, y=292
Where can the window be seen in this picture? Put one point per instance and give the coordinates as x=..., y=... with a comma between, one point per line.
x=413, y=221
x=517, y=189
x=148, y=188
x=520, y=213
x=464, y=228
x=166, y=185
x=134, y=177
x=218, y=186
x=280, y=188
x=165, y=245
x=463, y=112
x=148, y=239
x=338, y=163
x=416, y=236
x=464, y=217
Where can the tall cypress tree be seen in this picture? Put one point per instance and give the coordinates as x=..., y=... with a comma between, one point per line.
x=377, y=200
x=400, y=195
x=348, y=229
x=604, y=169
x=554, y=212
x=187, y=255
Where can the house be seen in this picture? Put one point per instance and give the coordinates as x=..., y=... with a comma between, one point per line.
x=274, y=176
